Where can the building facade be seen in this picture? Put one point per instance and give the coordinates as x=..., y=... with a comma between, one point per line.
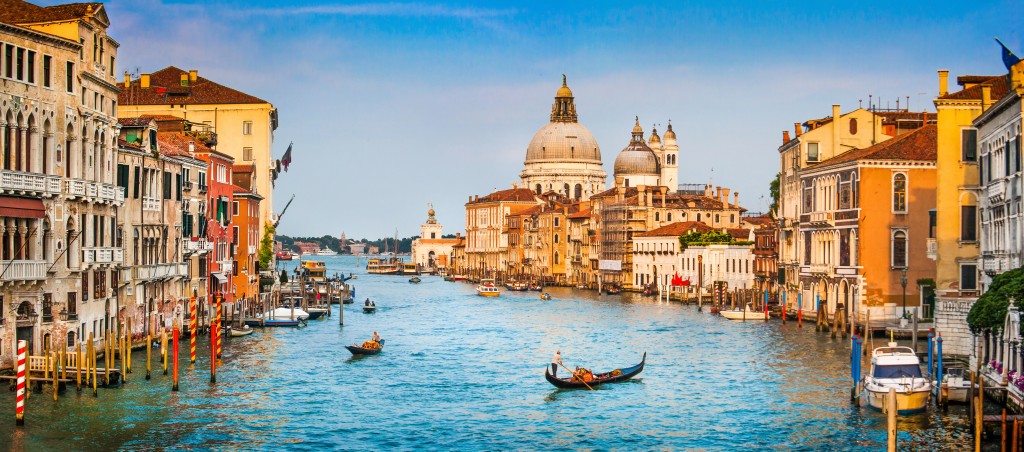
x=431, y=252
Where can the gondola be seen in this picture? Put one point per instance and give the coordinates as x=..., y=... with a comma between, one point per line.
x=415, y=279
x=613, y=290
x=599, y=379
x=357, y=350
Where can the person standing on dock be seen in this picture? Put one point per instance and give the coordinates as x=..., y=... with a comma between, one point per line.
x=555, y=362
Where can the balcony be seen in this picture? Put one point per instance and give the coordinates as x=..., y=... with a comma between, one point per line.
x=226, y=267
x=160, y=271
x=93, y=191
x=24, y=270
x=996, y=190
x=847, y=214
x=32, y=184
x=203, y=188
x=102, y=255
x=933, y=249
x=819, y=219
x=252, y=250
x=198, y=246
x=825, y=269
x=186, y=185
x=151, y=204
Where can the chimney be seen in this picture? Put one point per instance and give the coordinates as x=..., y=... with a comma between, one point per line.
x=986, y=97
x=193, y=75
x=799, y=130
x=192, y=149
x=127, y=80
x=736, y=198
x=144, y=80
x=725, y=196
x=641, y=195
x=785, y=136
x=836, y=113
x=943, y=82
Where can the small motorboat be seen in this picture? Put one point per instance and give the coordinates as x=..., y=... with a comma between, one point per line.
x=243, y=331
x=316, y=313
x=367, y=348
x=285, y=314
x=372, y=307
x=415, y=279
x=487, y=288
x=742, y=314
x=899, y=368
x=613, y=376
x=955, y=385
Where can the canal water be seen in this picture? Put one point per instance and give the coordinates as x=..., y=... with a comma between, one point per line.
x=464, y=372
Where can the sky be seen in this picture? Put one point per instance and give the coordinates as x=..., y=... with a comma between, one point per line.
x=395, y=105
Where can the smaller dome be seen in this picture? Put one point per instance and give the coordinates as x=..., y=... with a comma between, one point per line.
x=637, y=159
x=655, y=139
x=637, y=128
x=564, y=91
x=670, y=134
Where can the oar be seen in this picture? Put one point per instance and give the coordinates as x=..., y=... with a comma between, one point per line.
x=577, y=376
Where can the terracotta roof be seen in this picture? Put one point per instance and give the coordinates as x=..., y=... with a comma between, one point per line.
x=677, y=229
x=202, y=91
x=919, y=144
x=238, y=189
x=20, y=12
x=164, y=117
x=243, y=168
x=630, y=191
x=739, y=233
x=176, y=144
x=998, y=83
x=585, y=213
x=891, y=117
x=965, y=80
x=761, y=220
x=135, y=122
x=512, y=194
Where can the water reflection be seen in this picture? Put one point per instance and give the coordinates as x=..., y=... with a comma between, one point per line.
x=473, y=368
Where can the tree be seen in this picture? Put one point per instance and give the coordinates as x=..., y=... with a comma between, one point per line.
x=989, y=312
x=773, y=188
x=266, y=246
x=284, y=276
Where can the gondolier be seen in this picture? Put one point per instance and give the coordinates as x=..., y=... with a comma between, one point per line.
x=555, y=362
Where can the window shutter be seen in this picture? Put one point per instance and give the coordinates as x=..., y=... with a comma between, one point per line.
x=177, y=178
x=138, y=179
x=167, y=185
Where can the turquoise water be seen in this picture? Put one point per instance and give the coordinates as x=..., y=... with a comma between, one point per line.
x=465, y=372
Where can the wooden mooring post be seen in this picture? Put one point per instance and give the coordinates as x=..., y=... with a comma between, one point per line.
x=890, y=408
x=149, y=352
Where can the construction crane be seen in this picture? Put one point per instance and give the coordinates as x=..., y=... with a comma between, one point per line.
x=283, y=211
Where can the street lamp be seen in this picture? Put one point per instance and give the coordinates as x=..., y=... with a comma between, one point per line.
x=63, y=314
x=903, y=282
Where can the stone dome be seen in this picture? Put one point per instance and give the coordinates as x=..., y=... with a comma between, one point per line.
x=563, y=141
x=637, y=159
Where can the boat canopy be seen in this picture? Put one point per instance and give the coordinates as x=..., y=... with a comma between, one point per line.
x=897, y=371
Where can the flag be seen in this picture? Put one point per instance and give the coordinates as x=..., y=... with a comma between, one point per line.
x=1009, y=59
x=287, y=159
x=677, y=280
x=160, y=90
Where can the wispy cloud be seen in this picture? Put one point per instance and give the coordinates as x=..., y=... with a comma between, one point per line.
x=385, y=9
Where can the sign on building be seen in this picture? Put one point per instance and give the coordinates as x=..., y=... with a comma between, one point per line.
x=610, y=265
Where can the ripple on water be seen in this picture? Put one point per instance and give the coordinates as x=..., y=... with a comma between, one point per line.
x=465, y=372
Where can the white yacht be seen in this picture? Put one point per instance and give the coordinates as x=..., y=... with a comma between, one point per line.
x=326, y=252
x=899, y=368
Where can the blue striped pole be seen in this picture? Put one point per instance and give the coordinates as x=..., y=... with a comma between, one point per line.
x=938, y=368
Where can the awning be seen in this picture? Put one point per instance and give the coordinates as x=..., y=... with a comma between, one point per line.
x=21, y=207
x=219, y=277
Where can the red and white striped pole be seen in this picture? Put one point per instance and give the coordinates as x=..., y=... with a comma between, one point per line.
x=220, y=299
x=192, y=327
x=19, y=412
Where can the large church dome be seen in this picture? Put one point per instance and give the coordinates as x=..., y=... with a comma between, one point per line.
x=563, y=141
x=637, y=159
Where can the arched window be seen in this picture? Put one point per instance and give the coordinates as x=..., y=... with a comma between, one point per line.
x=556, y=257
x=579, y=192
x=657, y=216
x=732, y=218
x=71, y=339
x=899, y=249
x=899, y=193
x=627, y=182
x=566, y=188
x=538, y=189
x=716, y=218
x=669, y=216
x=853, y=126
x=698, y=216
x=556, y=238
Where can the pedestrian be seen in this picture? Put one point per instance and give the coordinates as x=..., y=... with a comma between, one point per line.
x=555, y=362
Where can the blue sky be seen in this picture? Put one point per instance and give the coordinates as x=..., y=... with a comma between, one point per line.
x=394, y=105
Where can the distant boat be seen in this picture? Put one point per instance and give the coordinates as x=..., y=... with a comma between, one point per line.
x=367, y=348
x=326, y=251
x=487, y=288
x=284, y=256
x=415, y=279
x=742, y=314
x=316, y=313
x=243, y=331
x=285, y=314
